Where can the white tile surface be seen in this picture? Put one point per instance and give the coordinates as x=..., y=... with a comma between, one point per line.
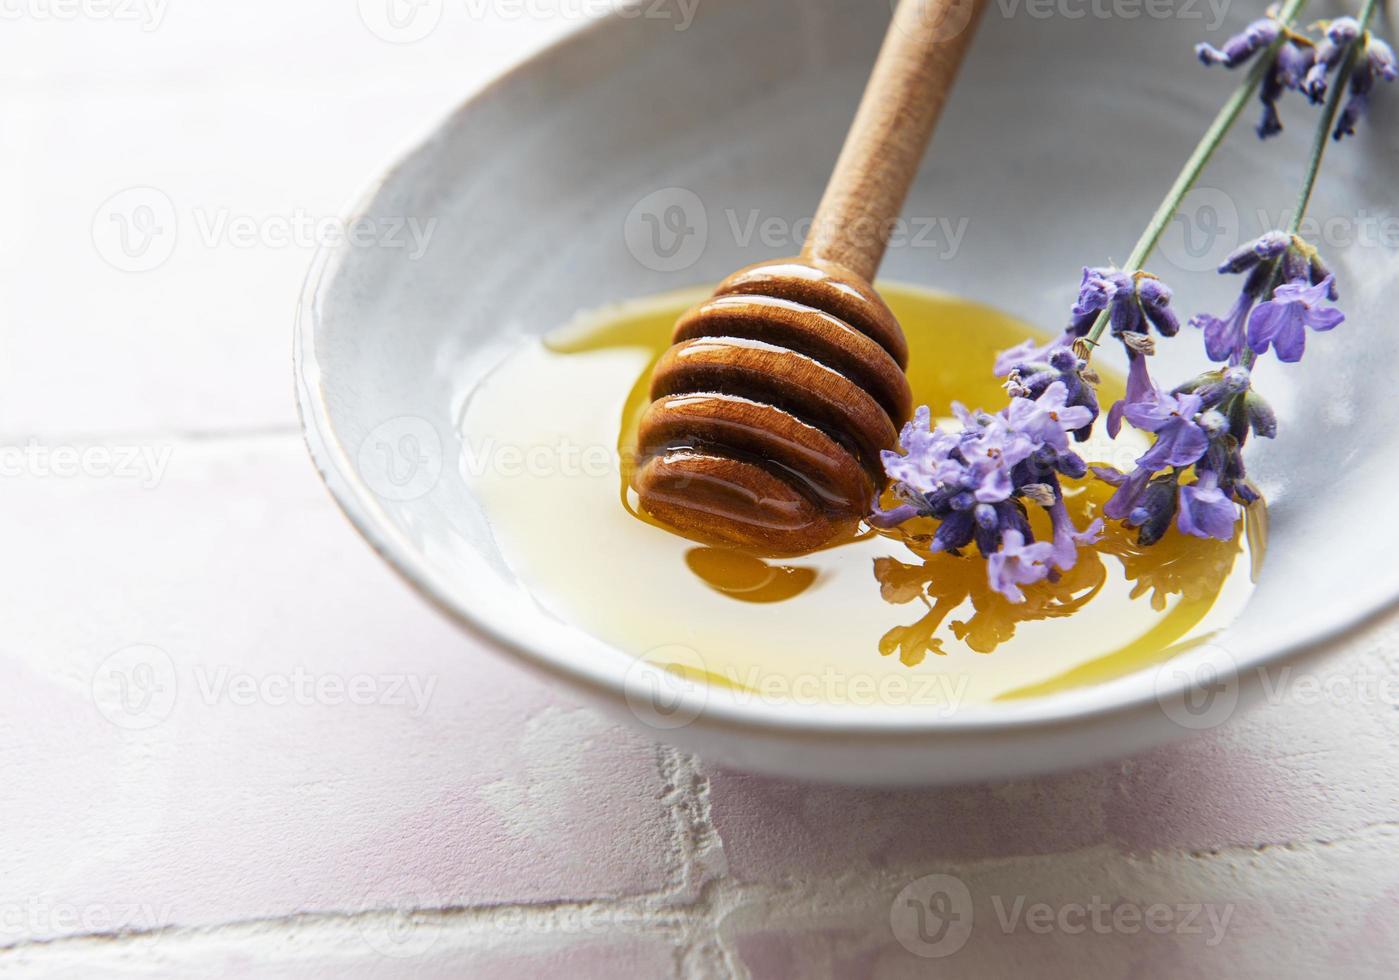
x=216, y=822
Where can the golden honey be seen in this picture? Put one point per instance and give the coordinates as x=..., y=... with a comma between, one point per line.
x=873, y=618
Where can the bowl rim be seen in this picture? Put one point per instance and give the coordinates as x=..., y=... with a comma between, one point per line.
x=715, y=706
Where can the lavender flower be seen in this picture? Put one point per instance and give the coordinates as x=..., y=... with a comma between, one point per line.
x=1288, y=70
x=1281, y=322
x=1067, y=538
x=1028, y=353
x=1273, y=256
x=1046, y=420
x=1242, y=46
x=1133, y=302
x=1139, y=388
x=1180, y=439
x=1203, y=425
x=1016, y=563
x=976, y=482
x=1225, y=337
x=1378, y=63
x=1207, y=511
x=926, y=448
x=1030, y=369
x=1341, y=33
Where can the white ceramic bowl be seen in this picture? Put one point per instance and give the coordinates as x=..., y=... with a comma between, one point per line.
x=1060, y=140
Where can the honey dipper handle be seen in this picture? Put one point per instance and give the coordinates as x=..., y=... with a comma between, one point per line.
x=902, y=102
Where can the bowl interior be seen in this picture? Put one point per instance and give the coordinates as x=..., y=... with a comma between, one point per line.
x=1058, y=144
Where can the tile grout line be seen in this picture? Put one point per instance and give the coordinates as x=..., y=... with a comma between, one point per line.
x=695, y=926
x=702, y=952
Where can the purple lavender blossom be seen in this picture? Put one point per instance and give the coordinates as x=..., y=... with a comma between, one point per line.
x=1286, y=73
x=1028, y=353
x=1155, y=298
x=976, y=482
x=1378, y=63
x=923, y=464
x=1225, y=337
x=1281, y=322
x=1067, y=538
x=1047, y=420
x=1242, y=46
x=1142, y=500
x=1270, y=257
x=1139, y=388
x=1287, y=70
x=1341, y=33
x=1270, y=245
x=1017, y=563
x=1205, y=510
x=1180, y=439
x=1133, y=302
x=1030, y=369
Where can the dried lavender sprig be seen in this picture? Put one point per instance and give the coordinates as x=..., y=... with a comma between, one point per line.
x=1328, y=117
x=1201, y=155
x=1320, y=139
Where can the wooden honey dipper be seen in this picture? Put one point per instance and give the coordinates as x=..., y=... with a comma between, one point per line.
x=771, y=408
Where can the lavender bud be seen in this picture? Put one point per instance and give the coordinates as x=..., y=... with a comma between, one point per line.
x=1071, y=465
x=1343, y=30
x=1156, y=510
x=1155, y=297
x=1163, y=318
x=1270, y=123
x=1340, y=33
x=953, y=533
x=1293, y=62
x=1272, y=244
x=1294, y=265
x=1352, y=112
x=1318, y=272
x=1110, y=475
x=1065, y=361
x=1241, y=46
x=1381, y=59
x=1261, y=418
x=1127, y=317
x=1242, y=259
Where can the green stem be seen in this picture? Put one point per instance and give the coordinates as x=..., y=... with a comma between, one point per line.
x=1201, y=156
x=1328, y=117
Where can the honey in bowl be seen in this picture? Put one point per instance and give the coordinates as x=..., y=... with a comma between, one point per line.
x=873, y=617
